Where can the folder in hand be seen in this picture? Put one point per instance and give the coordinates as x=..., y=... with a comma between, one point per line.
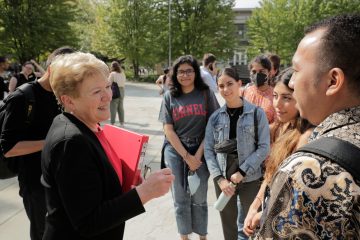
x=130, y=148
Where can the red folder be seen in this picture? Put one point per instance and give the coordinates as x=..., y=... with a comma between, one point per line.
x=130, y=147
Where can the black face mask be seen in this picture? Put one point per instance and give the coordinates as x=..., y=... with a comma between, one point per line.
x=258, y=79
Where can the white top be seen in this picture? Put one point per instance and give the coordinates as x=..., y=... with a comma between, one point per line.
x=209, y=79
x=119, y=78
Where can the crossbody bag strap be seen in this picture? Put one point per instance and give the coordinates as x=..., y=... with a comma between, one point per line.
x=256, y=127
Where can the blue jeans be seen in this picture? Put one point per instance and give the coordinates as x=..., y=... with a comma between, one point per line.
x=191, y=212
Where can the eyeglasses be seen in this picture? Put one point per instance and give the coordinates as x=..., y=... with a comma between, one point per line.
x=188, y=72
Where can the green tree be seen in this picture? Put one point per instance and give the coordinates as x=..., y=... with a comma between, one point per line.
x=278, y=25
x=94, y=30
x=134, y=30
x=32, y=28
x=200, y=26
x=139, y=29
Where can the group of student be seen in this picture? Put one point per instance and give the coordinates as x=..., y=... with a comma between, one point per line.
x=200, y=143
x=30, y=71
x=245, y=144
x=72, y=188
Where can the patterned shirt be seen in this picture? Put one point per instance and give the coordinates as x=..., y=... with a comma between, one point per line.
x=263, y=99
x=312, y=197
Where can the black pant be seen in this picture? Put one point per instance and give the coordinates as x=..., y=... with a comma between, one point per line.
x=228, y=216
x=35, y=207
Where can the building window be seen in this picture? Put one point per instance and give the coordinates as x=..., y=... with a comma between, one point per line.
x=241, y=31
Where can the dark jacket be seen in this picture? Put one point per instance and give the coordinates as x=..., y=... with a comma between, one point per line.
x=84, y=196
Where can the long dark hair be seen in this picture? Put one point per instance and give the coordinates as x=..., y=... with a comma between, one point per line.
x=287, y=142
x=115, y=66
x=285, y=77
x=176, y=90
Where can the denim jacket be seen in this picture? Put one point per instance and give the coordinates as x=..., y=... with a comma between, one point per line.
x=250, y=157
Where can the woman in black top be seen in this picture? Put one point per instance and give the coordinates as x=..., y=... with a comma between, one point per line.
x=83, y=185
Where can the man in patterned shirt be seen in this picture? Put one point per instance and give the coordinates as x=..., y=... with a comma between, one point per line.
x=310, y=196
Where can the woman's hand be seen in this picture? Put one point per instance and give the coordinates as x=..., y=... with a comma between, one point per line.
x=248, y=230
x=192, y=162
x=226, y=187
x=156, y=185
x=198, y=155
x=236, y=177
x=252, y=220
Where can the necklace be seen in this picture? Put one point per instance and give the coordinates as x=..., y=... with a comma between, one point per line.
x=233, y=112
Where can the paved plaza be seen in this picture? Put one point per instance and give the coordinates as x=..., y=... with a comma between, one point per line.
x=142, y=104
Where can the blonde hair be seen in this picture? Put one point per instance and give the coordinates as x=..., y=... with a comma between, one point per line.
x=68, y=71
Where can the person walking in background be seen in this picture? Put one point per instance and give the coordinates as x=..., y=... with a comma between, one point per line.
x=27, y=74
x=76, y=151
x=275, y=68
x=23, y=138
x=260, y=93
x=164, y=81
x=117, y=104
x=234, y=154
x=288, y=133
x=4, y=65
x=209, y=71
x=184, y=113
x=311, y=196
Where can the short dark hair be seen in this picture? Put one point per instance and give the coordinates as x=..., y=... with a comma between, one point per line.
x=340, y=46
x=176, y=89
x=3, y=59
x=262, y=60
x=58, y=51
x=275, y=61
x=231, y=72
x=208, y=58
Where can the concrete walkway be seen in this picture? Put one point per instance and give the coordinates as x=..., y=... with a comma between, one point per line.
x=142, y=104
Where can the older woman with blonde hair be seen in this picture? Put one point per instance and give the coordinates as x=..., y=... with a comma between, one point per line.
x=81, y=173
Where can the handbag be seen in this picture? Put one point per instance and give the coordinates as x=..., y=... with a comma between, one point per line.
x=226, y=146
x=115, y=90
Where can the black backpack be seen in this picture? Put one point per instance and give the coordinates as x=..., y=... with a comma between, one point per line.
x=9, y=167
x=346, y=154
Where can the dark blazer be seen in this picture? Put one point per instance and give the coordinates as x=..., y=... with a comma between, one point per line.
x=83, y=192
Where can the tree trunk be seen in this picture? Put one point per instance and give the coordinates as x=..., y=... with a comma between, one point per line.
x=136, y=69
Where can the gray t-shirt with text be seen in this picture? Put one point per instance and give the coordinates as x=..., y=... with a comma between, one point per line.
x=189, y=112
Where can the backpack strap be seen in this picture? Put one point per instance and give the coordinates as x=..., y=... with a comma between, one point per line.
x=346, y=154
x=27, y=90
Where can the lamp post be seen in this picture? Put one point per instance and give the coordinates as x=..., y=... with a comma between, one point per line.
x=169, y=62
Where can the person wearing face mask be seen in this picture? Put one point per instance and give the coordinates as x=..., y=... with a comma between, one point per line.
x=260, y=92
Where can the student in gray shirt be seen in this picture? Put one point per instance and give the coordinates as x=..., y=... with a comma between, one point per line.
x=184, y=112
